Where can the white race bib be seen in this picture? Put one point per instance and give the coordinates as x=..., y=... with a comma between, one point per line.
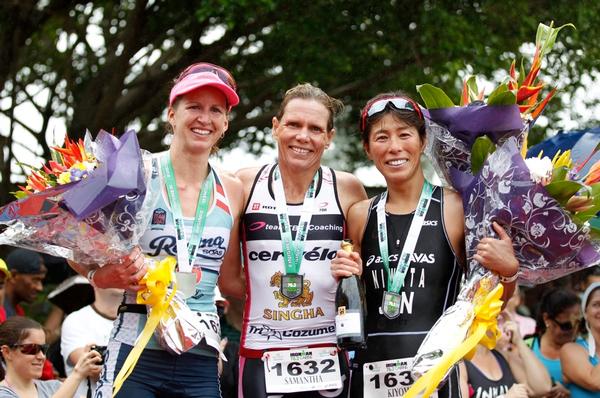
x=211, y=329
x=390, y=378
x=303, y=369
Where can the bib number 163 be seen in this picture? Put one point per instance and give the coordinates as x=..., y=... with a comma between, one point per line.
x=390, y=378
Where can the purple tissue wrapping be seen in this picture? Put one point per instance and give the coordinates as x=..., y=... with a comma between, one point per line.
x=119, y=172
x=547, y=243
x=467, y=123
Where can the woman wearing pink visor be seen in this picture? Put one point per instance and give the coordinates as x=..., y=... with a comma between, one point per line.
x=196, y=220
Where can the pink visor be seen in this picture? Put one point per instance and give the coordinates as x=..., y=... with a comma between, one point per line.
x=194, y=81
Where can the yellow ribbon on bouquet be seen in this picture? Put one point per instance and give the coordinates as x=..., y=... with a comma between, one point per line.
x=484, y=330
x=157, y=281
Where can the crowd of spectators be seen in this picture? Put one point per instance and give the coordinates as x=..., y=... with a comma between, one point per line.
x=548, y=331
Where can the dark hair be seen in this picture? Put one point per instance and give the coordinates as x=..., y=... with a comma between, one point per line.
x=309, y=92
x=409, y=117
x=16, y=329
x=553, y=303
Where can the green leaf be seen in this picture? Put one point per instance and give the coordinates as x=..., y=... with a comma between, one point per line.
x=502, y=98
x=434, y=97
x=500, y=89
x=472, y=87
x=595, y=191
x=546, y=36
x=482, y=148
x=559, y=173
x=563, y=190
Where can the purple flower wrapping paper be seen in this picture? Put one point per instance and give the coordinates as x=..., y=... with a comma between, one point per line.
x=547, y=243
x=451, y=133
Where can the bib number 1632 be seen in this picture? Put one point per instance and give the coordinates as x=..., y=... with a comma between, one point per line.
x=302, y=370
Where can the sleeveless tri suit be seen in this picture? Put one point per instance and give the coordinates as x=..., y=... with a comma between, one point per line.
x=431, y=285
x=272, y=321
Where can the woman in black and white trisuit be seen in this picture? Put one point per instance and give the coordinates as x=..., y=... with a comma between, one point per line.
x=403, y=306
x=280, y=321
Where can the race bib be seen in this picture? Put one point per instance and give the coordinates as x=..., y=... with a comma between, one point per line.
x=304, y=369
x=211, y=329
x=388, y=378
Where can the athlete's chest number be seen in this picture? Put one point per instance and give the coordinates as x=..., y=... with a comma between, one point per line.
x=307, y=368
x=392, y=379
x=303, y=369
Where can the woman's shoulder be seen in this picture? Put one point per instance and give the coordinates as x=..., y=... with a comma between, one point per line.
x=574, y=349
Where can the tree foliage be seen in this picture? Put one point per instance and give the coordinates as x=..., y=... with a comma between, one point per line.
x=109, y=64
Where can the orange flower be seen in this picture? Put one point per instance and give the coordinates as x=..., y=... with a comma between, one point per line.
x=594, y=174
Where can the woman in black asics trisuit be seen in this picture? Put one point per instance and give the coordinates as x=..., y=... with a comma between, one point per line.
x=407, y=294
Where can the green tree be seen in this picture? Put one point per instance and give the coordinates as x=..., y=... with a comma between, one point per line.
x=108, y=64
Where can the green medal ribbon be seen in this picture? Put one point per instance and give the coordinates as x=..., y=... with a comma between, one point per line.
x=293, y=249
x=395, y=284
x=187, y=249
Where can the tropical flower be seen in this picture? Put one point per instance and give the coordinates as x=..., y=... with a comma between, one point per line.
x=70, y=163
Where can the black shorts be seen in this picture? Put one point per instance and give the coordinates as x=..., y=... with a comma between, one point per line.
x=252, y=381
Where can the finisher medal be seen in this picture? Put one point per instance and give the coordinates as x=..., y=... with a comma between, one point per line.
x=291, y=285
x=391, y=305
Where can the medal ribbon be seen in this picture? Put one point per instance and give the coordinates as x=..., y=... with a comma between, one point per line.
x=186, y=250
x=293, y=249
x=395, y=284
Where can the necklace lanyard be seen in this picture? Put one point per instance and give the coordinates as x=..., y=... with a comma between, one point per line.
x=186, y=250
x=293, y=250
x=395, y=284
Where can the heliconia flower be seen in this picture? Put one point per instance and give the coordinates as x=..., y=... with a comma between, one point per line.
x=526, y=92
x=594, y=175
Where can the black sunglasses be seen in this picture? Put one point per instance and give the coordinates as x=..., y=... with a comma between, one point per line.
x=31, y=349
x=566, y=326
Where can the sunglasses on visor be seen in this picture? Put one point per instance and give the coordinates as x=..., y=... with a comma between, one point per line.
x=31, y=349
x=204, y=67
x=566, y=326
x=379, y=105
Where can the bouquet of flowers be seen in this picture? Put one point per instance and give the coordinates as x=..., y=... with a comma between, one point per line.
x=86, y=205
x=477, y=148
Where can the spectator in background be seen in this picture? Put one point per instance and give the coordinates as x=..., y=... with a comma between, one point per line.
x=585, y=278
x=511, y=370
x=526, y=324
x=91, y=325
x=4, y=275
x=23, y=348
x=28, y=272
x=579, y=360
x=557, y=321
